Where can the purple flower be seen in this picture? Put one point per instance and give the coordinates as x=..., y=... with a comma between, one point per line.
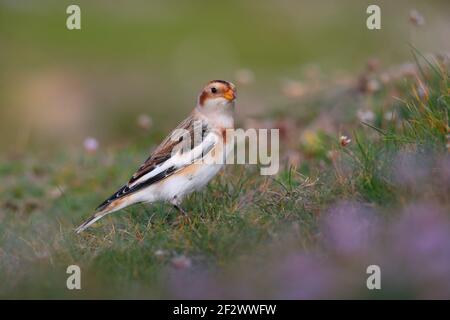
x=348, y=227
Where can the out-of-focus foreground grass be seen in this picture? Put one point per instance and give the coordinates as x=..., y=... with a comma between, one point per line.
x=379, y=195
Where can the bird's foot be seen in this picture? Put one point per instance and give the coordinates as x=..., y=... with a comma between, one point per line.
x=180, y=209
x=183, y=218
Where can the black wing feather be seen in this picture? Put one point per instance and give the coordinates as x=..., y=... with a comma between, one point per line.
x=126, y=190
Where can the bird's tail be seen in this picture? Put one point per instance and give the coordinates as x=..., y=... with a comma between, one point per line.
x=91, y=220
x=104, y=209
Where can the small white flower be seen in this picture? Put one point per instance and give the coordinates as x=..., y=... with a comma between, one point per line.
x=144, y=121
x=90, y=145
x=345, y=141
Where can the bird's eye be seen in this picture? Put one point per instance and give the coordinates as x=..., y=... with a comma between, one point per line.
x=214, y=90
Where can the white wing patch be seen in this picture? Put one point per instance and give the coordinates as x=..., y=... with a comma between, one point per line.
x=181, y=159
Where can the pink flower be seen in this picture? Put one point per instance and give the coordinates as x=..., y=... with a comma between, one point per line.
x=416, y=18
x=90, y=145
x=344, y=141
x=181, y=262
x=144, y=121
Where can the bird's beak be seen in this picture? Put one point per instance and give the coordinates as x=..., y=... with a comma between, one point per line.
x=229, y=95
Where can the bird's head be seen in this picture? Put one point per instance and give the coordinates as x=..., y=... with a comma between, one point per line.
x=217, y=94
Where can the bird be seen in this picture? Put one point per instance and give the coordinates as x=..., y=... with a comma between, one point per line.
x=177, y=167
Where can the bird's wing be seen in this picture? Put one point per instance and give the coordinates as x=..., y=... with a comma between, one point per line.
x=180, y=149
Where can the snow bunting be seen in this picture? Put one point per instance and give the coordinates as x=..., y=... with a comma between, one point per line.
x=177, y=167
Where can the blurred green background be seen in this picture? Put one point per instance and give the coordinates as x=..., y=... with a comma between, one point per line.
x=59, y=86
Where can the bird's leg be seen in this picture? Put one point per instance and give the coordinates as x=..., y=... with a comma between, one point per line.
x=176, y=204
x=180, y=209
